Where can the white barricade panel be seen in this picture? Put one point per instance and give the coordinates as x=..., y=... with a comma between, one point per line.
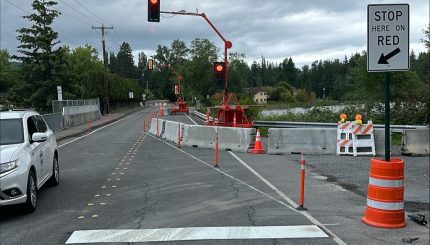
x=344, y=141
x=363, y=139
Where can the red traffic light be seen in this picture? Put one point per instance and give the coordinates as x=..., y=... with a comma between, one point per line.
x=219, y=68
x=154, y=10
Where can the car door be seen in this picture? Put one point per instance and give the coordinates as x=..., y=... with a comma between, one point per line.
x=47, y=152
x=35, y=148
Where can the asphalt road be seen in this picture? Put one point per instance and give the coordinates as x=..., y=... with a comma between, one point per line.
x=119, y=177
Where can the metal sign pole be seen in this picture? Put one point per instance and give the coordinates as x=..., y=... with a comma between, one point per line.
x=387, y=115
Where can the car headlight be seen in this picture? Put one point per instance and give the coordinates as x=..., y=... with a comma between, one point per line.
x=8, y=166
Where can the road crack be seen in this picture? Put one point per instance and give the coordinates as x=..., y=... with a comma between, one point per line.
x=250, y=211
x=140, y=214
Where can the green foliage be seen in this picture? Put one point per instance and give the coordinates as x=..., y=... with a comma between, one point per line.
x=250, y=111
x=237, y=73
x=8, y=75
x=87, y=74
x=122, y=64
x=40, y=62
x=198, y=71
x=120, y=87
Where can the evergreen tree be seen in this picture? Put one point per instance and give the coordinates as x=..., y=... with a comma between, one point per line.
x=39, y=56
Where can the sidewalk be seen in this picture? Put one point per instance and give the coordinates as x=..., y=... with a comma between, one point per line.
x=62, y=134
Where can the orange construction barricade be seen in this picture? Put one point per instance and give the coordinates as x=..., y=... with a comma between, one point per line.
x=385, y=204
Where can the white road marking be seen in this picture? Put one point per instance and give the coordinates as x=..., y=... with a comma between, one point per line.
x=191, y=119
x=291, y=202
x=196, y=233
x=92, y=132
x=306, y=214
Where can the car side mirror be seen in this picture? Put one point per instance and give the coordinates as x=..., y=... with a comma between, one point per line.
x=39, y=137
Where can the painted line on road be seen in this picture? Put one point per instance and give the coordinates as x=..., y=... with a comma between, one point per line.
x=92, y=132
x=304, y=213
x=191, y=119
x=289, y=200
x=195, y=233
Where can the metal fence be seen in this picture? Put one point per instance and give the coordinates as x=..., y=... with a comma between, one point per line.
x=57, y=105
x=54, y=120
x=76, y=115
x=68, y=113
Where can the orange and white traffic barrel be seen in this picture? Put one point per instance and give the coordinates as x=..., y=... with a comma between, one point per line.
x=385, y=203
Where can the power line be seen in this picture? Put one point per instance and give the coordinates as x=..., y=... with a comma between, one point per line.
x=63, y=30
x=91, y=12
x=73, y=17
x=118, y=39
x=79, y=12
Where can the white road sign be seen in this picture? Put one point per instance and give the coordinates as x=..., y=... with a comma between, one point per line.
x=387, y=37
x=59, y=93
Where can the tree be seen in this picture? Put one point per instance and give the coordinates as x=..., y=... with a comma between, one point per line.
x=178, y=53
x=123, y=63
x=87, y=73
x=7, y=74
x=198, y=71
x=238, y=72
x=39, y=57
x=427, y=40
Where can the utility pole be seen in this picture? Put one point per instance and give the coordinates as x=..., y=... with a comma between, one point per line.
x=105, y=62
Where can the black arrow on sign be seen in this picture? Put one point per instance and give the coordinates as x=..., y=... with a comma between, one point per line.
x=384, y=58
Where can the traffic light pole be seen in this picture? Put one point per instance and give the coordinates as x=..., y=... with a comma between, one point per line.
x=227, y=44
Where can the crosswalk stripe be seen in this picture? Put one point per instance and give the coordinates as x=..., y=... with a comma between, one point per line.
x=195, y=233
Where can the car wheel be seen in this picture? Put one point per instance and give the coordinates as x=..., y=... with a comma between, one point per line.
x=55, y=178
x=30, y=204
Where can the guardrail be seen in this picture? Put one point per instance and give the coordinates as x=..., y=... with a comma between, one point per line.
x=284, y=124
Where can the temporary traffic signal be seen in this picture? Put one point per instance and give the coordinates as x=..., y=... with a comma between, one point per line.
x=150, y=64
x=154, y=10
x=219, y=73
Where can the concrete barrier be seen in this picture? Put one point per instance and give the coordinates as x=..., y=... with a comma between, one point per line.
x=236, y=139
x=199, y=136
x=171, y=131
x=306, y=140
x=161, y=126
x=415, y=142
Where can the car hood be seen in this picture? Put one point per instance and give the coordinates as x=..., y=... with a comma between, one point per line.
x=7, y=151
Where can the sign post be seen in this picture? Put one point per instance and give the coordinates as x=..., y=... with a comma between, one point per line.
x=387, y=48
x=59, y=93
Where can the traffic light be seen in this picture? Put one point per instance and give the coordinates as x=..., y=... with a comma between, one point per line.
x=154, y=10
x=219, y=73
x=150, y=64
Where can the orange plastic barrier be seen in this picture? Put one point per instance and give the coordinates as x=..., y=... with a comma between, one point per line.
x=385, y=203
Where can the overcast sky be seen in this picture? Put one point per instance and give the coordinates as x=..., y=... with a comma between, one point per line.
x=305, y=30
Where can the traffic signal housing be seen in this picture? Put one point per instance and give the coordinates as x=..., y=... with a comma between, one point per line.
x=219, y=74
x=153, y=10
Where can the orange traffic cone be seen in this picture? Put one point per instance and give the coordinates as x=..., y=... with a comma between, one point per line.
x=161, y=111
x=258, y=148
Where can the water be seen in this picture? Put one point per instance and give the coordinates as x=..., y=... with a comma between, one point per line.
x=295, y=110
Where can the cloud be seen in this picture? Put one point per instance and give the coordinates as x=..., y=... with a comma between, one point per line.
x=304, y=30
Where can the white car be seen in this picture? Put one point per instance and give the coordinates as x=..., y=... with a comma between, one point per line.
x=28, y=158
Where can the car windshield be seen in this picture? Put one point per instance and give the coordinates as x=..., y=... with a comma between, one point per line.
x=11, y=131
